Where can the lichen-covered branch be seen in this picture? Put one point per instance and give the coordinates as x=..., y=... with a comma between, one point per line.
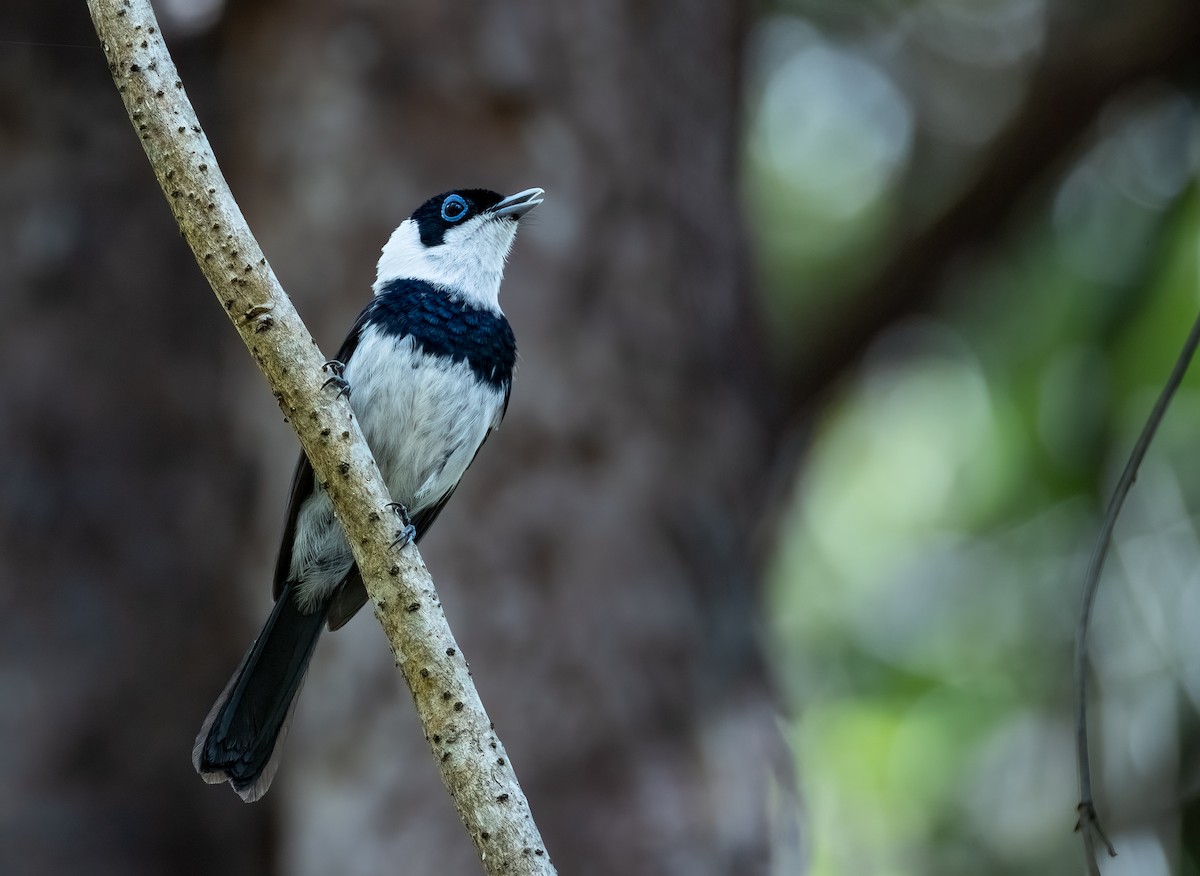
x=473, y=764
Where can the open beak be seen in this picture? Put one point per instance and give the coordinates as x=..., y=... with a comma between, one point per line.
x=519, y=204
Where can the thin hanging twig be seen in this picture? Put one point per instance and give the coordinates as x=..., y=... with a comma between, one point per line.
x=1088, y=824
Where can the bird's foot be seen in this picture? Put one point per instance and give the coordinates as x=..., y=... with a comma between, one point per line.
x=336, y=370
x=407, y=532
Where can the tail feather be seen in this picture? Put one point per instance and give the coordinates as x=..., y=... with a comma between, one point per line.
x=240, y=739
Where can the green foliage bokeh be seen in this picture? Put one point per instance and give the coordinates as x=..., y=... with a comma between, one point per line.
x=923, y=592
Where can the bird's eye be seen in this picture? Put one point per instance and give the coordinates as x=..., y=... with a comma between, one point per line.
x=454, y=208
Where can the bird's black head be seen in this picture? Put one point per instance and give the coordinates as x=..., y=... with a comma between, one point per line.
x=443, y=212
x=457, y=240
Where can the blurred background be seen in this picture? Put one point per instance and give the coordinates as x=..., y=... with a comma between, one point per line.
x=836, y=328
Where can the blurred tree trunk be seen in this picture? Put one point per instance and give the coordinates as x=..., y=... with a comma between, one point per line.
x=596, y=562
x=126, y=509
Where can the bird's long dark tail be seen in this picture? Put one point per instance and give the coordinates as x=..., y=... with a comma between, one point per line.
x=240, y=739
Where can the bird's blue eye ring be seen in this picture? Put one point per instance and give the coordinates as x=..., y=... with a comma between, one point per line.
x=454, y=208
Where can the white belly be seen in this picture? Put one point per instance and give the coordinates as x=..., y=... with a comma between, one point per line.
x=424, y=418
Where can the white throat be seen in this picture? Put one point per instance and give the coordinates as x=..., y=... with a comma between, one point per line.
x=469, y=261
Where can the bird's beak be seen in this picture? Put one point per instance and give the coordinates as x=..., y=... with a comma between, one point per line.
x=519, y=204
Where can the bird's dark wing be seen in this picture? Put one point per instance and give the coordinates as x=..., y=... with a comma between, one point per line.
x=302, y=488
x=302, y=480
x=499, y=419
x=351, y=343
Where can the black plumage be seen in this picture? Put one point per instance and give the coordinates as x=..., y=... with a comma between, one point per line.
x=442, y=324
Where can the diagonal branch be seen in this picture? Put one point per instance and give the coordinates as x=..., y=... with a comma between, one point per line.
x=473, y=764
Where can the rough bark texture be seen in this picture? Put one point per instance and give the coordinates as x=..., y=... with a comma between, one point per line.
x=148, y=467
